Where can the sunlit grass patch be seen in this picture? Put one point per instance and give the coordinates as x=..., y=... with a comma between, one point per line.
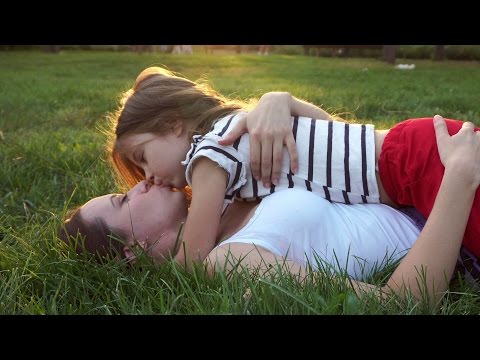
x=52, y=157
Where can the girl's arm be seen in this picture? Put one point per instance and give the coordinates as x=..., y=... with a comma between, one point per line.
x=270, y=127
x=208, y=192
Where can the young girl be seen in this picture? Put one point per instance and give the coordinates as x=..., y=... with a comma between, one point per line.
x=162, y=112
x=154, y=130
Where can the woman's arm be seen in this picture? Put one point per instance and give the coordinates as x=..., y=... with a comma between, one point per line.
x=429, y=265
x=270, y=127
x=208, y=193
x=238, y=256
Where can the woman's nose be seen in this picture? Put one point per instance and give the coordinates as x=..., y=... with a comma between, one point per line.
x=140, y=188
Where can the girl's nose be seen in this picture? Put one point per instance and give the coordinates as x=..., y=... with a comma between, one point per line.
x=149, y=177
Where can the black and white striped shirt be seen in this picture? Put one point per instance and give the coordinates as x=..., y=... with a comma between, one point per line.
x=336, y=161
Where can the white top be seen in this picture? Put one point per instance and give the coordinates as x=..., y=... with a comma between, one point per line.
x=302, y=226
x=336, y=160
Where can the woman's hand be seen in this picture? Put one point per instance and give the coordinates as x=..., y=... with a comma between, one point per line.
x=429, y=265
x=270, y=127
x=460, y=152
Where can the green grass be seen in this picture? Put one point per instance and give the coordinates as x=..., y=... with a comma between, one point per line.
x=52, y=158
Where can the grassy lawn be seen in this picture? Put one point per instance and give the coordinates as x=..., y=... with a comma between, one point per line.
x=51, y=156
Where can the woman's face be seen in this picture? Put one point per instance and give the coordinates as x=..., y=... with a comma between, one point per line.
x=148, y=215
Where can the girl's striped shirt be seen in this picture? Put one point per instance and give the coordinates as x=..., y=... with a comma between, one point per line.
x=336, y=161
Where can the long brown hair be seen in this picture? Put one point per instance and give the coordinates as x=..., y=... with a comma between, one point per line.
x=94, y=238
x=158, y=101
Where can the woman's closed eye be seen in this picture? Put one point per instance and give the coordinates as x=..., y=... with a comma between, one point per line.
x=124, y=199
x=118, y=200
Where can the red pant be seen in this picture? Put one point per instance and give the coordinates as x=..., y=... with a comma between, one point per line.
x=411, y=171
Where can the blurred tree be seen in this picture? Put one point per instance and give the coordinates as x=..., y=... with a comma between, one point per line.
x=54, y=49
x=439, y=54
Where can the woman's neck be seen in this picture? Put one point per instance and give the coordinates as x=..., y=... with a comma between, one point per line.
x=235, y=217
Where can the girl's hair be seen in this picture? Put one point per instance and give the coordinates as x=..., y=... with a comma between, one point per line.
x=157, y=102
x=94, y=238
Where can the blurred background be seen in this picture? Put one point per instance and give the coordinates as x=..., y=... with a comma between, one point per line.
x=386, y=52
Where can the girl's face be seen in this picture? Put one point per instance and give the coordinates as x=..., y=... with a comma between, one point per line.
x=150, y=215
x=159, y=156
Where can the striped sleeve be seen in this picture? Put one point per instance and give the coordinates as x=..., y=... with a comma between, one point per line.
x=227, y=157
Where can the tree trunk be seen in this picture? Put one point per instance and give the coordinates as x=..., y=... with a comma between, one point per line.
x=389, y=53
x=439, y=54
x=54, y=49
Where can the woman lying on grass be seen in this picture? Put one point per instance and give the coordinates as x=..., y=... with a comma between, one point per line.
x=168, y=131
x=296, y=227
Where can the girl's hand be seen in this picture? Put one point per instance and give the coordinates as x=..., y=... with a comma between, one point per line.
x=270, y=127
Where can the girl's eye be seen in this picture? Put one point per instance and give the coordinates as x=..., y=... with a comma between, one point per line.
x=138, y=158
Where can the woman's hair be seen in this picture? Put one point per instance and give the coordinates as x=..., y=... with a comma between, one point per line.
x=94, y=238
x=158, y=101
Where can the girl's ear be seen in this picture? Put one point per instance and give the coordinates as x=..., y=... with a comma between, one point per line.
x=177, y=128
x=129, y=254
